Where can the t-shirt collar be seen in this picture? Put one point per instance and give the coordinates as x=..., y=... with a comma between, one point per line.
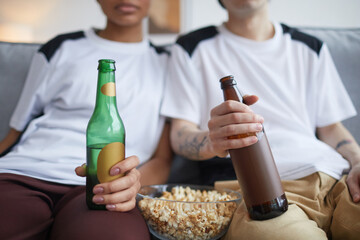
x=254, y=45
x=114, y=46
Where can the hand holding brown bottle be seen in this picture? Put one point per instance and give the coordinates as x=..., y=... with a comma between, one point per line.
x=232, y=118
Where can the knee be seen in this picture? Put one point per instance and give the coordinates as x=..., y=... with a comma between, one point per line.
x=346, y=224
x=293, y=224
x=92, y=224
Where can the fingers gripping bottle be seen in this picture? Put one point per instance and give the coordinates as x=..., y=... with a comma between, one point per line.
x=255, y=169
x=105, y=133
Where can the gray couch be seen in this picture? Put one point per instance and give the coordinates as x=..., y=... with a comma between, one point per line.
x=344, y=45
x=15, y=61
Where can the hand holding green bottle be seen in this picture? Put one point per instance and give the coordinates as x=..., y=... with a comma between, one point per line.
x=117, y=195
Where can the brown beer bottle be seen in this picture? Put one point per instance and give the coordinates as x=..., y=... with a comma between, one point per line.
x=255, y=169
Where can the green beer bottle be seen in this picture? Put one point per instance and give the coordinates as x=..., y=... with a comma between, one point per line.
x=105, y=133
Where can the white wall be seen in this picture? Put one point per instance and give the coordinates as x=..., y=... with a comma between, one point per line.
x=317, y=13
x=320, y=13
x=44, y=19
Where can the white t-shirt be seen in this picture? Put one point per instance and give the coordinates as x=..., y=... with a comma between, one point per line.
x=294, y=76
x=61, y=88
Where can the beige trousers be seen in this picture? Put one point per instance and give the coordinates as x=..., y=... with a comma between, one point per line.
x=320, y=207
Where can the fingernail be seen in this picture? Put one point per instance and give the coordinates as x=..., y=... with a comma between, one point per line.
x=98, y=199
x=110, y=206
x=114, y=171
x=258, y=127
x=98, y=190
x=356, y=197
x=253, y=139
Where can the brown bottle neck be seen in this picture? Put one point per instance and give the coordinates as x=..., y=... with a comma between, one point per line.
x=230, y=91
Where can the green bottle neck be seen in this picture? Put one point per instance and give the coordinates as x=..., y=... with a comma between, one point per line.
x=105, y=95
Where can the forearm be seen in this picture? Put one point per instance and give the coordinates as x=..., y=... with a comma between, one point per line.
x=157, y=169
x=154, y=172
x=338, y=137
x=188, y=141
x=9, y=140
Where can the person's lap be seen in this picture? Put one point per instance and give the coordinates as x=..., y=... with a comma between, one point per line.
x=345, y=222
x=26, y=212
x=74, y=220
x=30, y=208
x=294, y=225
x=319, y=206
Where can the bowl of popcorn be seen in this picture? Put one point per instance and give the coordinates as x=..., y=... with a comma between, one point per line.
x=187, y=211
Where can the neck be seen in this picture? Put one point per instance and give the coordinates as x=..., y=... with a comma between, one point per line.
x=252, y=25
x=118, y=33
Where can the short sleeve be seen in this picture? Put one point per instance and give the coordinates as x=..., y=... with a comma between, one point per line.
x=182, y=100
x=333, y=101
x=30, y=103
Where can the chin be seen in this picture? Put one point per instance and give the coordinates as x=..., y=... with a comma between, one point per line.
x=127, y=21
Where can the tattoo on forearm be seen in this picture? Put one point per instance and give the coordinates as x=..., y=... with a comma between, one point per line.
x=181, y=131
x=343, y=142
x=191, y=147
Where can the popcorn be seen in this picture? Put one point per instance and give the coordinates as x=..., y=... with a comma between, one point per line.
x=198, y=215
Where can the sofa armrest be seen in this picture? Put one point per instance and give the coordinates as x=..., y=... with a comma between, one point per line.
x=344, y=46
x=15, y=61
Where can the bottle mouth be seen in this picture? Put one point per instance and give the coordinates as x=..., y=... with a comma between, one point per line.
x=106, y=65
x=227, y=81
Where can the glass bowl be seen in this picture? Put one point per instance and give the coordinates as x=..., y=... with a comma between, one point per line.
x=174, y=211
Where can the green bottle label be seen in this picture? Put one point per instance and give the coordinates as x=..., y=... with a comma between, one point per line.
x=108, y=89
x=111, y=154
